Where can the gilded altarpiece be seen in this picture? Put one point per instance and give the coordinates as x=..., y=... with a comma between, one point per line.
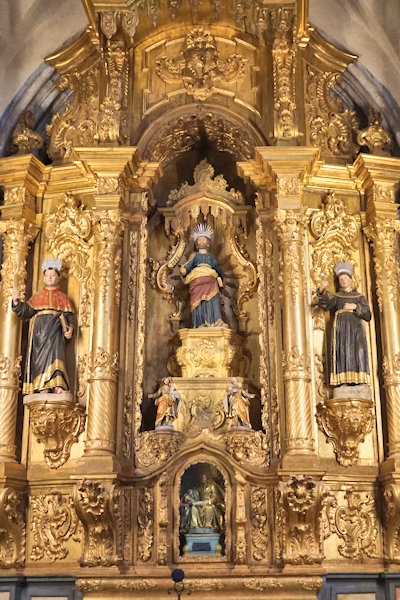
x=232, y=125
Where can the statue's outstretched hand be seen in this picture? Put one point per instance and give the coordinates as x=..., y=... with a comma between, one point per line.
x=16, y=296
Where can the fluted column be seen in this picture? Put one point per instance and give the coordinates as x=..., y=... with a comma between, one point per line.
x=295, y=355
x=104, y=358
x=16, y=237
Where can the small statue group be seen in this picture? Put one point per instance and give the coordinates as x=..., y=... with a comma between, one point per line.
x=203, y=507
x=167, y=401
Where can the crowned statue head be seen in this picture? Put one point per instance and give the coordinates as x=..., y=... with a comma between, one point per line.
x=202, y=235
x=343, y=268
x=52, y=263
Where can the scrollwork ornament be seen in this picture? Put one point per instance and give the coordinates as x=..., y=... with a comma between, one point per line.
x=57, y=424
x=391, y=513
x=355, y=523
x=303, y=512
x=54, y=522
x=12, y=528
x=346, y=422
x=155, y=448
x=68, y=232
x=103, y=365
x=336, y=235
x=330, y=128
x=260, y=525
x=252, y=448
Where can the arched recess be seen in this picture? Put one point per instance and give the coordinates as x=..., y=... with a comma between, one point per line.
x=181, y=141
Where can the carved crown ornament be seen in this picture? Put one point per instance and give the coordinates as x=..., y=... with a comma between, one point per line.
x=200, y=65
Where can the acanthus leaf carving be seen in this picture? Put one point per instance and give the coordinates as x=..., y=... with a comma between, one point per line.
x=12, y=528
x=346, y=422
x=260, y=524
x=248, y=447
x=57, y=424
x=145, y=521
x=68, y=232
x=300, y=500
x=330, y=128
x=336, y=235
x=98, y=510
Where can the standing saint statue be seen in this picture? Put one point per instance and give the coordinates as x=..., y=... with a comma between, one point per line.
x=51, y=323
x=349, y=351
x=204, y=276
x=237, y=404
x=167, y=400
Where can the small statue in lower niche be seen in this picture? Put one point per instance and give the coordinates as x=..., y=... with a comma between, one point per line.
x=167, y=400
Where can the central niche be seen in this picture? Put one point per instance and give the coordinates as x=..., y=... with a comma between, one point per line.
x=202, y=511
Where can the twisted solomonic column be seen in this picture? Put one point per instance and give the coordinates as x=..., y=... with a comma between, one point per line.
x=104, y=359
x=17, y=234
x=382, y=231
x=290, y=226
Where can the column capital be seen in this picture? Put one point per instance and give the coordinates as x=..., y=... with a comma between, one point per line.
x=21, y=177
x=287, y=169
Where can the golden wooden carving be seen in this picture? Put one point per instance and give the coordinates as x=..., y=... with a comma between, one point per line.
x=235, y=109
x=57, y=423
x=13, y=528
x=54, y=522
x=199, y=66
x=98, y=509
x=346, y=422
